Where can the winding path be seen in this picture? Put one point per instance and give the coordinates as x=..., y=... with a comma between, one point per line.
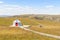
x=44, y=34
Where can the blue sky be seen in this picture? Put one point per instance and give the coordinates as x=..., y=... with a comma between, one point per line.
x=17, y=7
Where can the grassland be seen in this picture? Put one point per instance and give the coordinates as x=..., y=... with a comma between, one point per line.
x=47, y=26
x=20, y=34
x=7, y=33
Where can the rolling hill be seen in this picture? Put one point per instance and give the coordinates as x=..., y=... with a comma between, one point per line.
x=48, y=26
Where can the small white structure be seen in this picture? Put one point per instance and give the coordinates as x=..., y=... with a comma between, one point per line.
x=17, y=23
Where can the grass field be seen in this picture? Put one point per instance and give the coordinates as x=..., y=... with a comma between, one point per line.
x=47, y=26
x=7, y=33
x=20, y=34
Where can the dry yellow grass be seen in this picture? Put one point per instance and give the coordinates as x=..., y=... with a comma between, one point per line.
x=7, y=33
x=47, y=30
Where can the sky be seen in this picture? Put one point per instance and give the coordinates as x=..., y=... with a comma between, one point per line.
x=18, y=7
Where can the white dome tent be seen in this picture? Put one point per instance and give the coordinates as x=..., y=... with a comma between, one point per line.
x=17, y=23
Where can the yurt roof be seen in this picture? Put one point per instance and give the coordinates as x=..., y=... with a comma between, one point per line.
x=17, y=20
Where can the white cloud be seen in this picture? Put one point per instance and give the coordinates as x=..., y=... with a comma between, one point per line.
x=49, y=6
x=1, y=2
x=16, y=10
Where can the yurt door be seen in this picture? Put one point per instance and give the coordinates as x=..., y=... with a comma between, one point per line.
x=16, y=24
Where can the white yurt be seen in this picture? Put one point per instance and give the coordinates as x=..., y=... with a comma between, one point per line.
x=17, y=23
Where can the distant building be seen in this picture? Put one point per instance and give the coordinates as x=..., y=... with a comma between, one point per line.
x=17, y=23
